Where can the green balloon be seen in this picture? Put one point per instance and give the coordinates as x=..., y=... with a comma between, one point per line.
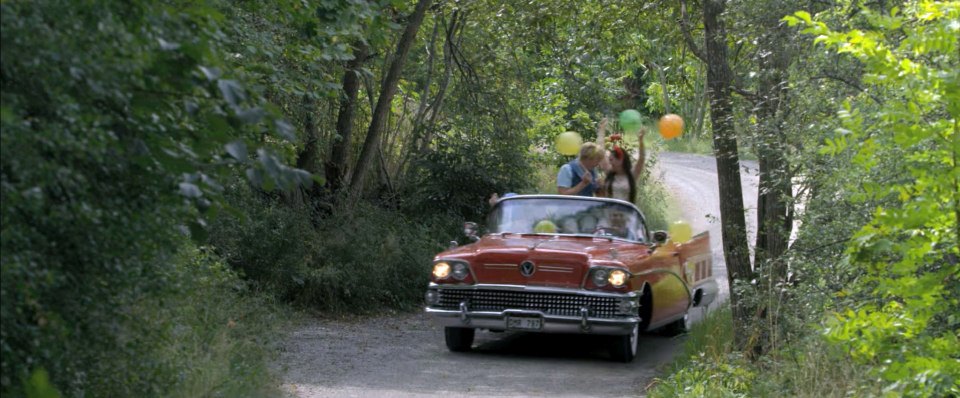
x=630, y=121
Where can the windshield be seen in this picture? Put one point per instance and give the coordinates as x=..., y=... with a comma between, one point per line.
x=567, y=216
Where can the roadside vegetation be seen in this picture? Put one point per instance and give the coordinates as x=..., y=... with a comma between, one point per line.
x=177, y=178
x=866, y=298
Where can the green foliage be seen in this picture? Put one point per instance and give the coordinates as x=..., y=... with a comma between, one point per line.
x=39, y=386
x=217, y=336
x=690, y=144
x=465, y=169
x=908, y=251
x=358, y=258
x=118, y=120
x=809, y=366
x=201, y=333
x=706, y=368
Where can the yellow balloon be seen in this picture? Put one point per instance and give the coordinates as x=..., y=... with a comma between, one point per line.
x=568, y=143
x=545, y=227
x=680, y=231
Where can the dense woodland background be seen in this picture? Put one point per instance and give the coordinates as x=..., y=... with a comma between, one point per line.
x=177, y=177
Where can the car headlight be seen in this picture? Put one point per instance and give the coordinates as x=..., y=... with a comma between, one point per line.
x=618, y=278
x=441, y=270
x=460, y=271
x=600, y=277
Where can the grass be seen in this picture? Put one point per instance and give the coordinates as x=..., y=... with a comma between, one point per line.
x=689, y=144
x=204, y=335
x=701, y=145
x=809, y=366
x=223, y=336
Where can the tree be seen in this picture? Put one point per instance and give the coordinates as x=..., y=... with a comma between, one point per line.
x=336, y=167
x=388, y=89
x=720, y=92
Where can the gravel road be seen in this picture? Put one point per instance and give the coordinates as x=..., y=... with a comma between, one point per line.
x=403, y=355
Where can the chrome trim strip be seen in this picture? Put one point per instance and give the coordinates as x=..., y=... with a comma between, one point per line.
x=551, y=323
x=537, y=289
x=643, y=218
x=557, y=267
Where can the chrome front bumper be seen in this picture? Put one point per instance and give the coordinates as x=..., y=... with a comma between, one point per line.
x=465, y=317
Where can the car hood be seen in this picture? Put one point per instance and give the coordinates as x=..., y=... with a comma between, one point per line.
x=558, y=261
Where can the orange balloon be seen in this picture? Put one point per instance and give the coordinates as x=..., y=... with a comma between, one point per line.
x=671, y=126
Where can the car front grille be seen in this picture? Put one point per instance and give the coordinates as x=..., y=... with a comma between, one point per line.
x=565, y=304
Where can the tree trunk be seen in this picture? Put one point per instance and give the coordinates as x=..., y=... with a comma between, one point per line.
x=733, y=231
x=308, y=157
x=774, y=221
x=336, y=167
x=388, y=89
x=453, y=31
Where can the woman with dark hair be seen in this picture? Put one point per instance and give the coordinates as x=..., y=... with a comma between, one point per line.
x=621, y=177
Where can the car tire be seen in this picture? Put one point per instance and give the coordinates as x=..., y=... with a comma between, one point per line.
x=678, y=327
x=624, y=348
x=459, y=339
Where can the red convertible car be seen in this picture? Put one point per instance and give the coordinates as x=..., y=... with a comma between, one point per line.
x=569, y=264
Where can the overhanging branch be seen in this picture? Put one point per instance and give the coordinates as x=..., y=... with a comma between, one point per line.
x=687, y=37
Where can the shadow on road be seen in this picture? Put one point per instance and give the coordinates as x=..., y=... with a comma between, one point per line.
x=560, y=346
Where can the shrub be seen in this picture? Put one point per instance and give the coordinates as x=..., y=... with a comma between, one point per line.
x=269, y=244
x=197, y=331
x=115, y=117
x=372, y=258
x=808, y=366
x=356, y=258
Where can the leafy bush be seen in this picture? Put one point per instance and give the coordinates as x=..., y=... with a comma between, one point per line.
x=117, y=120
x=271, y=243
x=807, y=367
x=213, y=335
x=459, y=176
x=356, y=258
x=907, y=253
x=197, y=331
x=372, y=257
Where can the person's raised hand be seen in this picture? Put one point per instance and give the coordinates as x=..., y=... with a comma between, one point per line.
x=587, y=177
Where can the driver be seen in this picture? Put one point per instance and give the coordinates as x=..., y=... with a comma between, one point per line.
x=616, y=224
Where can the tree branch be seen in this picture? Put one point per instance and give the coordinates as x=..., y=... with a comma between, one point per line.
x=687, y=37
x=744, y=92
x=850, y=83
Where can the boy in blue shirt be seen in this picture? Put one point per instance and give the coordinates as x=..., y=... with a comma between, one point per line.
x=579, y=177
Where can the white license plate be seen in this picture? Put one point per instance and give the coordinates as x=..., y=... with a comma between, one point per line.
x=524, y=323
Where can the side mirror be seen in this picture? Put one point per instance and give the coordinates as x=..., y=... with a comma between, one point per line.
x=660, y=237
x=470, y=230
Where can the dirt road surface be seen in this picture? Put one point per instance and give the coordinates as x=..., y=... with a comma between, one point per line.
x=403, y=355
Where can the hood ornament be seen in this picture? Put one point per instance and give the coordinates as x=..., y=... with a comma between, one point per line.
x=527, y=268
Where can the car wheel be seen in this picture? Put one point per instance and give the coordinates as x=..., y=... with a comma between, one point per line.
x=624, y=348
x=678, y=327
x=459, y=339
